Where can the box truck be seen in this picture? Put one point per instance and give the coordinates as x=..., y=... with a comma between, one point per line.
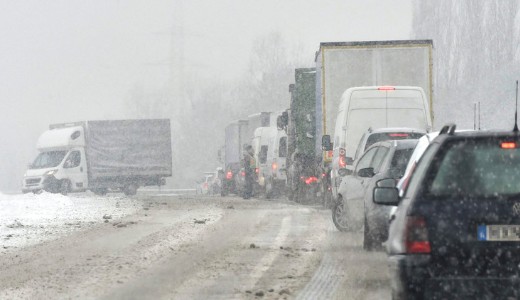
x=101, y=156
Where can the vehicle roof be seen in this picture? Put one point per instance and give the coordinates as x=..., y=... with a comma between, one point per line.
x=477, y=134
x=394, y=129
x=377, y=87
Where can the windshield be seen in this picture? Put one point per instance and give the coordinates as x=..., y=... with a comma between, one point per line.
x=481, y=168
x=48, y=159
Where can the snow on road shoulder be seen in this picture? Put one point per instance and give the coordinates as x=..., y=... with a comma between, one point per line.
x=29, y=219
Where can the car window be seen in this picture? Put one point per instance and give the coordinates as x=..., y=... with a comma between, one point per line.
x=379, y=157
x=73, y=160
x=420, y=169
x=262, y=156
x=360, y=149
x=366, y=159
x=399, y=162
x=477, y=168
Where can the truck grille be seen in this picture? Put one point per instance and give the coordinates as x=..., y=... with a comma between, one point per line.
x=33, y=180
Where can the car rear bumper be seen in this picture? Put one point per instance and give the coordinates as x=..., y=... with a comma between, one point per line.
x=411, y=279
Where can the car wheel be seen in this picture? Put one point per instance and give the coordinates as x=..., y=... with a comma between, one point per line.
x=367, y=241
x=100, y=192
x=65, y=187
x=339, y=216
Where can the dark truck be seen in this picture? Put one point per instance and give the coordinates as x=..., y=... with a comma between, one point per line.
x=303, y=175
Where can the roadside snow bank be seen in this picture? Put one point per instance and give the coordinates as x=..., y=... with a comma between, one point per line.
x=29, y=219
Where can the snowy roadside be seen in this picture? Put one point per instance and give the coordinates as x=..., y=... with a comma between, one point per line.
x=30, y=219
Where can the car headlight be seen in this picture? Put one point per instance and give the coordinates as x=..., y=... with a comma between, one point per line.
x=50, y=172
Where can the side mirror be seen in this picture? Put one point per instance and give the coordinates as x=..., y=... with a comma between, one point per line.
x=366, y=172
x=344, y=172
x=326, y=145
x=386, y=196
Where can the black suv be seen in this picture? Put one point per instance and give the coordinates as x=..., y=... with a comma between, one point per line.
x=456, y=234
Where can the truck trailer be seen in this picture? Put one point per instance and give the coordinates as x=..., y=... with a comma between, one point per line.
x=101, y=156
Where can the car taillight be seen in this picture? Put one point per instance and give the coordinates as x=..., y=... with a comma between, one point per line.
x=398, y=135
x=311, y=179
x=243, y=173
x=257, y=170
x=229, y=175
x=342, y=158
x=342, y=162
x=508, y=145
x=323, y=175
x=274, y=166
x=416, y=237
x=386, y=88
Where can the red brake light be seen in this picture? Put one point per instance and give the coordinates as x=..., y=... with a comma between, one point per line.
x=386, y=88
x=243, y=173
x=416, y=237
x=508, y=145
x=257, y=170
x=323, y=175
x=229, y=175
x=398, y=134
x=311, y=179
x=274, y=166
x=342, y=162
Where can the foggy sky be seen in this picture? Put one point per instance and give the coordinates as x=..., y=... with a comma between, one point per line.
x=65, y=60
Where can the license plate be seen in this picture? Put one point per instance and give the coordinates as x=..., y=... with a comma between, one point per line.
x=498, y=233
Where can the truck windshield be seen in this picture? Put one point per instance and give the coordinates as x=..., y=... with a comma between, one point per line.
x=48, y=159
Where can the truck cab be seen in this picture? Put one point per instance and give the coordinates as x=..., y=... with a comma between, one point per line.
x=61, y=164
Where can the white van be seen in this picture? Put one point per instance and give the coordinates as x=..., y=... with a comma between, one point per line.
x=374, y=107
x=275, y=172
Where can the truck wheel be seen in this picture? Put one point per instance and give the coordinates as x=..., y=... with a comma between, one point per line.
x=100, y=192
x=339, y=216
x=65, y=187
x=130, y=190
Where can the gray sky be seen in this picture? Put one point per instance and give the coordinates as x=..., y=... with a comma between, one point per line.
x=66, y=60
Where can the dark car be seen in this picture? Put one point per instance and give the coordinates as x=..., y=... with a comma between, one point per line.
x=457, y=231
x=386, y=159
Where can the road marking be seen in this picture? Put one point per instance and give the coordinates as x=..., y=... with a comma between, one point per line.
x=268, y=259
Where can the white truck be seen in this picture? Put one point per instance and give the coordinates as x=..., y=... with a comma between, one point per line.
x=101, y=156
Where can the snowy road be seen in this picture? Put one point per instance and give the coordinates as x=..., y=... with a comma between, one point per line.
x=183, y=247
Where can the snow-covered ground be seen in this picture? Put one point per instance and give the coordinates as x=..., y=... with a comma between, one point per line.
x=29, y=219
